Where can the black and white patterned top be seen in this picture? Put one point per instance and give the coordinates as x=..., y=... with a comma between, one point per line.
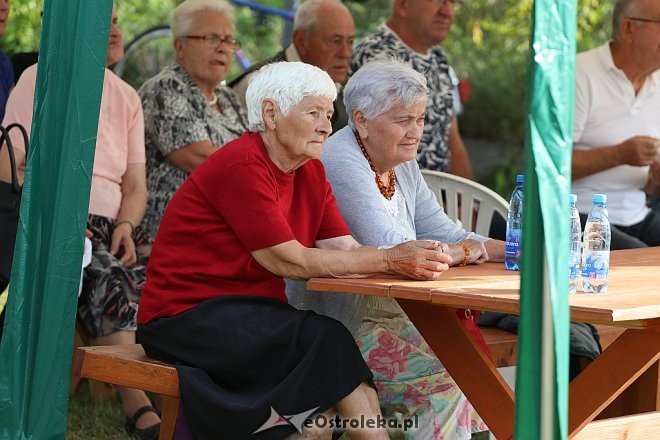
x=176, y=114
x=433, y=151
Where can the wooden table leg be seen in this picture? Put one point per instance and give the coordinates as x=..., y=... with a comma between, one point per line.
x=168, y=419
x=474, y=373
x=633, y=353
x=641, y=396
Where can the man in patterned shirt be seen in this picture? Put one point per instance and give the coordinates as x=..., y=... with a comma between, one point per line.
x=411, y=34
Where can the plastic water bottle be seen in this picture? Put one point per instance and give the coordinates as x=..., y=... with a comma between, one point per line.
x=596, y=248
x=574, y=247
x=514, y=226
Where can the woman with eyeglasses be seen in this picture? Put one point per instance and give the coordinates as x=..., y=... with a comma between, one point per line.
x=188, y=112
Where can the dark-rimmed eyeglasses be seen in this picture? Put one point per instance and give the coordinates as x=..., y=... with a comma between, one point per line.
x=644, y=20
x=214, y=40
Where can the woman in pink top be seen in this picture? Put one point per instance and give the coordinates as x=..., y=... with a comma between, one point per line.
x=113, y=281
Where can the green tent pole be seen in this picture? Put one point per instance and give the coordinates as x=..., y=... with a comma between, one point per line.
x=542, y=374
x=35, y=354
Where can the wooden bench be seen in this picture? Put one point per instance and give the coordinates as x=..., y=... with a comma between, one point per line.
x=127, y=365
x=504, y=345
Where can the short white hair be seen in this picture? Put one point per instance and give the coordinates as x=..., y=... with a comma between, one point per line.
x=380, y=85
x=183, y=16
x=286, y=84
x=307, y=14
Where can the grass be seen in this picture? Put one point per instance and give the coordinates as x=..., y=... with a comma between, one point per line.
x=95, y=420
x=90, y=420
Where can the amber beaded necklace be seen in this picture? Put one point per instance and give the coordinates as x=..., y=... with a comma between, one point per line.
x=386, y=191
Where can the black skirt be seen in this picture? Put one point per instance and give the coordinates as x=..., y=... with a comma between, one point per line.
x=242, y=359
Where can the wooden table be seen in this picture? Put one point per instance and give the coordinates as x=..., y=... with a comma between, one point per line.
x=633, y=302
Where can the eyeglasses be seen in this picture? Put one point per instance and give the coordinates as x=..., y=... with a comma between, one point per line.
x=215, y=40
x=645, y=20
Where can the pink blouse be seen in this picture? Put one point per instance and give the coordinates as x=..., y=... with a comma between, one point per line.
x=120, y=138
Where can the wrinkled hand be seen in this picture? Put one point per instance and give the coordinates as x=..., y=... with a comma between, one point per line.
x=496, y=250
x=478, y=253
x=419, y=260
x=122, y=245
x=638, y=151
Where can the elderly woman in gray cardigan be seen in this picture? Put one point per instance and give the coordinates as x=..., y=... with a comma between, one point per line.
x=371, y=165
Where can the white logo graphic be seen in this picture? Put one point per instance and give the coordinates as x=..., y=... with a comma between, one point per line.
x=276, y=419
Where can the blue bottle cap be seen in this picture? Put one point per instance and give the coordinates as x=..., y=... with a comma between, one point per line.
x=520, y=178
x=600, y=198
x=572, y=199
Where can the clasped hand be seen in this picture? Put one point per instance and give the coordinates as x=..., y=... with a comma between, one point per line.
x=638, y=151
x=122, y=245
x=419, y=259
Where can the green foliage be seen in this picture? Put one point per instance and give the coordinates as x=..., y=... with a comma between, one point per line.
x=489, y=43
x=261, y=35
x=23, y=29
x=368, y=15
x=492, y=52
x=137, y=16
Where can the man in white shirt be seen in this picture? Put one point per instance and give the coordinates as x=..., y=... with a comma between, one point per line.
x=616, y=136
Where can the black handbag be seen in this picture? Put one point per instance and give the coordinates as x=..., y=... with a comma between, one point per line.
x=10, y=202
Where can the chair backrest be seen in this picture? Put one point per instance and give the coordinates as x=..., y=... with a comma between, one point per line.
x=469, y=204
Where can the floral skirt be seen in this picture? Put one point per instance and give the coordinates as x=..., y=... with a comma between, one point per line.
x=412, y=383
x=110, y=292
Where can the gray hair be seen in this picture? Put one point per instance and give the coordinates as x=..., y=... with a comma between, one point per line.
x=184, y=14
x=381, y=84
x=307, y=14
x=286, y=84
x=622, y=10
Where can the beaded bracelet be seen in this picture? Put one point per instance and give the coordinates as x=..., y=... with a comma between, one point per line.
x=128, y=222
x=466, y=250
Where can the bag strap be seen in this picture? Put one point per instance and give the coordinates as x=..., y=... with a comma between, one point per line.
x=6, y=139
x=469, y=320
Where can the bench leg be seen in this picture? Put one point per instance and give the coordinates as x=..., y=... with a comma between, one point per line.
x=98, y=391
x=168, y=418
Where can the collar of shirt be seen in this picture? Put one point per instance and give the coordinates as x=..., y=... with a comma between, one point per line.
x=605, y=57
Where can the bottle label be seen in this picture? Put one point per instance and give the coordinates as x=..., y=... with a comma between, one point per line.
x=596, y=265
x=512, y=249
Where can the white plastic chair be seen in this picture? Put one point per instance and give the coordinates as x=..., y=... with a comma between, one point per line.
x=470, y=204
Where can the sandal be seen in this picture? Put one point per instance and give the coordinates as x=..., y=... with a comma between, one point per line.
x=150, y=433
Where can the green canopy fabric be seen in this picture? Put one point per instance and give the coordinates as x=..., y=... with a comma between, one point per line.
x=542, y=374
x=35, y=355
